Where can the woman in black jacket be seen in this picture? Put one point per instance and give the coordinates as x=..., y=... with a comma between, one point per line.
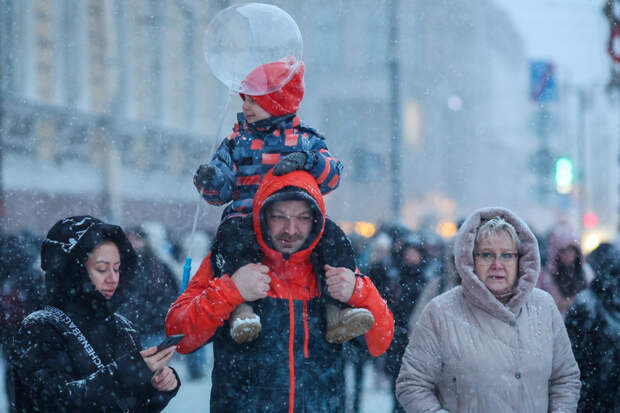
x=77, y=354
x=593, y=325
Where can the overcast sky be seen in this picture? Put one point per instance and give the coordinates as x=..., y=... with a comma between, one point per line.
x=571, y=33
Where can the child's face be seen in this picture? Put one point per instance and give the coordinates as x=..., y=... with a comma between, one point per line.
x=252, y=111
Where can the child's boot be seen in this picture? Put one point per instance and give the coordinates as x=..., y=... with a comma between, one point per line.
x=244, y=324
x=343, y=324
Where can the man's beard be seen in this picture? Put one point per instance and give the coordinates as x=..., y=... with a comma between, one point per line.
x=289, y=239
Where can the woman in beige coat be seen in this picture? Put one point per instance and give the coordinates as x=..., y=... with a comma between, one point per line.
x=494, y=343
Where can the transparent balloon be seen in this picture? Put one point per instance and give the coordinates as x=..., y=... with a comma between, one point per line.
x=253, y=48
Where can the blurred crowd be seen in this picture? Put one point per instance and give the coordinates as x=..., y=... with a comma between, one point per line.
x=408, y=267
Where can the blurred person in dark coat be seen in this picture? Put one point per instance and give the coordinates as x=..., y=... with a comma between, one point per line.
x=439, y=284
x=566, y=272
x=593, y=325
x=154, y=288
x=401, y=296
x=385, y=258
x=22, y=288
x=77, y=353
x=434, y=247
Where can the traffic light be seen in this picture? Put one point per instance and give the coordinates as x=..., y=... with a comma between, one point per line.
x=590, y=220
x=564, y=175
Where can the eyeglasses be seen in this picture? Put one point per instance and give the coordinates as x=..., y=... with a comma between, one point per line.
x=489, y=258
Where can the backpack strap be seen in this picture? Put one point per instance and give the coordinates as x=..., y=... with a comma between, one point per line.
x=79, y=336
x=64, y=318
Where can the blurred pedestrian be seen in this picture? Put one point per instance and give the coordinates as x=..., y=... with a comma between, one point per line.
x=495, y=343
x=78, y=354
x=593, y=324
x=434, y=247
x=401, y=298
x=439, y=284
x=566, y=272
x=153, y=289
x=22, y=290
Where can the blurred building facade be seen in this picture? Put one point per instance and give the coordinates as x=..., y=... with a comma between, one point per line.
x=109, y=107
x=104, y=110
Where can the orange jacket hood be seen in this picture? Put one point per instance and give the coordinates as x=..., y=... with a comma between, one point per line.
x=271, y=185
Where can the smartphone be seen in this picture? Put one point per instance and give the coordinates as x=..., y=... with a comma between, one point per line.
x=170, y=341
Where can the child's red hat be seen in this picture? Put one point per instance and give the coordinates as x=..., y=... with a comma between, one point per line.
x=283, y=101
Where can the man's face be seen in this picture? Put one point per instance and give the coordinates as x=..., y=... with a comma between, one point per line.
x=289, y=223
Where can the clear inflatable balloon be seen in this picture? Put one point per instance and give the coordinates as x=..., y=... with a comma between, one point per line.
x=253, y=48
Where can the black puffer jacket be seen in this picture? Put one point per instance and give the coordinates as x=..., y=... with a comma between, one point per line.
x=593, y=325
x=51, y=367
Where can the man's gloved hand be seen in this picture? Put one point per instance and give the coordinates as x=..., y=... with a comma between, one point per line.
x=291, y=162
x=204, y=175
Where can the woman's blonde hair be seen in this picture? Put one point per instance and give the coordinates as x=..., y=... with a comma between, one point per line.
x=494, y=226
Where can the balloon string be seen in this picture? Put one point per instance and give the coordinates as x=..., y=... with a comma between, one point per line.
x=188, y=260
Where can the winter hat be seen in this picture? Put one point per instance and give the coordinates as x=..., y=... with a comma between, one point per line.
x=284, y=101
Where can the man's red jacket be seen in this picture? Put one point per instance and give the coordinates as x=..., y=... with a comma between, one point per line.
x=207, y=302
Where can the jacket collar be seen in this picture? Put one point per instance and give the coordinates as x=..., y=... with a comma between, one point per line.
x=268, y=125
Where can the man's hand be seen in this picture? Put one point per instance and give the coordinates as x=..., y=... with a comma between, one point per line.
x=164, y=380
x=252, y=281
x=340, y=282
x=291, y=162
x=204, y=176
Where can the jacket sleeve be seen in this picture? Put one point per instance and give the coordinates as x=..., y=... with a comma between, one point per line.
x=564, y=384
x=202, y=308
x=365, y=295
x=221, y=190
x=42, y=363
x=325, y=168
x=420, y=367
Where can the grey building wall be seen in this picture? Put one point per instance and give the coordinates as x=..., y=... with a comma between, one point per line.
x=130, y=88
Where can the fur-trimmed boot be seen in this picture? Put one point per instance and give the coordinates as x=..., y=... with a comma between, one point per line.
x=244, y=324
x=343, y=324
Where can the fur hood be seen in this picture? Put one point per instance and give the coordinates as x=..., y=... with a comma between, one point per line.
x=529, y=263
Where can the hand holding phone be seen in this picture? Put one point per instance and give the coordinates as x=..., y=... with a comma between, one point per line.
x=170, y=341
